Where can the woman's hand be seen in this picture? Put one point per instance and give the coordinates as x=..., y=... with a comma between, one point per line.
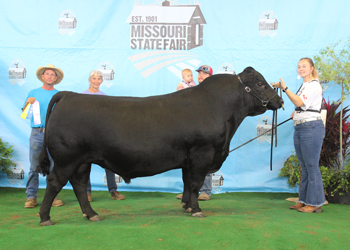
x=292, y=115
x=279, y=85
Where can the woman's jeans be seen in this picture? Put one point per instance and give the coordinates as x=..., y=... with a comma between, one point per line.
x=111, y=184
x=308, y=139
x=36, y=141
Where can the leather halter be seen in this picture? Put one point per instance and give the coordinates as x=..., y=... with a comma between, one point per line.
x=249, y=90
x=274, y=117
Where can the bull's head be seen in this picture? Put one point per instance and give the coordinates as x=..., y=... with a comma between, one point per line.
x=264, y=95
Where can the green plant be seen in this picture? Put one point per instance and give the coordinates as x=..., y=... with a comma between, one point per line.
x=330, y=153
x=291, y=170
x=334, y=180
x=333, y=64
x=5, y=157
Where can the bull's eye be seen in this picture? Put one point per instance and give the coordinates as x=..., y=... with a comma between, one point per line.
x=260, y=84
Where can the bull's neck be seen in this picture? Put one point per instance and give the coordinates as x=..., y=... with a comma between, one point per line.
x=231, y=99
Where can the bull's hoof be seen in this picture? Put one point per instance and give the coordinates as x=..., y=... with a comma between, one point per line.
x=198, y=214
x=189, y=210
x=46, y=223
x=95, y=218
x=84, y=215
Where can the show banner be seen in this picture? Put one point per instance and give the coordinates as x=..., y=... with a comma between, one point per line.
x=141, y=48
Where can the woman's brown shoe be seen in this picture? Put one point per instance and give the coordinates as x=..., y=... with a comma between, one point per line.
x=310, y=209
x=297, y=206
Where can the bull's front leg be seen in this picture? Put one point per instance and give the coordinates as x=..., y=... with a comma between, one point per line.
x=202, y=159
x=196, y=183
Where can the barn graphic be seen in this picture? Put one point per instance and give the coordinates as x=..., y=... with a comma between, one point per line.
x=118, y=180
x=67, y=22
x=17, y=72
x=217, y=182
x=268, y=24
x=17, y=175
x=265, y=124
x=167, y=31
x=218, y=179
x=106, y=68
x=226, y=68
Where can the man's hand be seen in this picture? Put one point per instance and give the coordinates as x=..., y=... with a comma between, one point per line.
x=30, y=100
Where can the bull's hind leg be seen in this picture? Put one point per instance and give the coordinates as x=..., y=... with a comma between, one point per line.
x=186, y=193
x=55, y=183
x=79, y=181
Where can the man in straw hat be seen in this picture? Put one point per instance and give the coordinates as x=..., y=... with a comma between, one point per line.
x=50, y=76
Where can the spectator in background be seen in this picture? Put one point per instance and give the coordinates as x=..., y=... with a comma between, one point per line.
x=49, y=76
x=204, y=72
x=95, y=80
x=187, y=81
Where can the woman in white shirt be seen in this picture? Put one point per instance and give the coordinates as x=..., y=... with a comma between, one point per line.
x=309, y=132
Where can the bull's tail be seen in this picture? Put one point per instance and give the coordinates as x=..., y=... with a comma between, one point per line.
x=44, y=160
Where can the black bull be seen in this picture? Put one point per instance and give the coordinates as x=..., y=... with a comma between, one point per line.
x=134, y=137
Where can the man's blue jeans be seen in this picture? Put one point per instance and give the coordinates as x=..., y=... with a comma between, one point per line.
x=36, y=140
x=308, y=139
x=207, y=185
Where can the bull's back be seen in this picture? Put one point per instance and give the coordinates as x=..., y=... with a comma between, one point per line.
x=108, y=126
x=86, y=114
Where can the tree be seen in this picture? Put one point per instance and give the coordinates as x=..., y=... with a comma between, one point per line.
x=333, y=64
x=5, y=157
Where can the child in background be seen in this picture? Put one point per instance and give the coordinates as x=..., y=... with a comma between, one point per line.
x=187, y=81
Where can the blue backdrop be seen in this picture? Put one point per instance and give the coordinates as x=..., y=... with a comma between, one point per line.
x=141, y=48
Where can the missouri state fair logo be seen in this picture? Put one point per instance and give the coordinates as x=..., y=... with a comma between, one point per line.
x=67, y=22
x=268, y=24
x=265, y=124
x=17, y=72
x=167, y=32
x=107, y=71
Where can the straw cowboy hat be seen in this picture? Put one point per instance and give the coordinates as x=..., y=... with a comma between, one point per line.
x=58, y=71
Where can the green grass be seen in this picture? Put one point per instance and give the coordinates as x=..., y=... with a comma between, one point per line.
x=157, y=221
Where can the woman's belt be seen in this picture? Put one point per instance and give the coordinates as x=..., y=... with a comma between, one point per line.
x=298, y=109
x=296, y=122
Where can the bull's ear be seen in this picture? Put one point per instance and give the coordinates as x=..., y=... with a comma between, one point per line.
x=249, y=69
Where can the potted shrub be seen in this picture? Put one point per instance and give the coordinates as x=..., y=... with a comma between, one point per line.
x=291, y=169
